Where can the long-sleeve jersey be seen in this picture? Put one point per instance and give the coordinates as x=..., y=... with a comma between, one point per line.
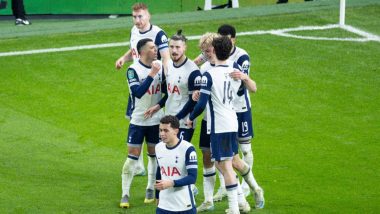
x=145, y=92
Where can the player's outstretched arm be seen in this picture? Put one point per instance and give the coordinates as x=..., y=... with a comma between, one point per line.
x=125, y=58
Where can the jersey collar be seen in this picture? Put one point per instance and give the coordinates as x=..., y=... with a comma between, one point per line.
x=233, y=51
x=170, y=148
x=180, y=64
x=151, y=26
x=141, y=63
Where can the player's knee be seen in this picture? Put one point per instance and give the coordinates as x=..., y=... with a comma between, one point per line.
x=238, y=163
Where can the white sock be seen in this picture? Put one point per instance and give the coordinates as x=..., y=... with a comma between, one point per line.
x=221, y=179
x=140, y=165
x=235, y=3
x=247, y=158
x=127, y=175
x=209, y=177
x=241, y=198
x=248, y=177
x=207, y=5
x=152, y=169
x=232, y=198
x=246, y=149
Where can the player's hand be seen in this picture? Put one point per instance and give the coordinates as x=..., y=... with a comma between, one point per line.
x=189, y=123
x=156, y=66
x=163, y=184
x=238, y=75
x=150, y=111
x=195, y=96
x=119, y=63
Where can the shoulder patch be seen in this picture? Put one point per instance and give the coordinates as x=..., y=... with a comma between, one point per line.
x=164, y=39
x=197, y=81
x=131, y=74
x=193, y=157
x=204, y=81
x=245, y=65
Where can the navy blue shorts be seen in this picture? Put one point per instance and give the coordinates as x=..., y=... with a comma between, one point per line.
x=162, y=211
x=185, y=134
x=204, y=138
x=136, y=135
x=223, y=146
x=245, y=131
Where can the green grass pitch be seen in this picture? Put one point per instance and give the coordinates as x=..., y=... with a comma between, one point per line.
x=316, y=113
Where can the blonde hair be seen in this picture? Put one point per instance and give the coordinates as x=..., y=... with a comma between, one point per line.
x=206, y=40
x=139, y=6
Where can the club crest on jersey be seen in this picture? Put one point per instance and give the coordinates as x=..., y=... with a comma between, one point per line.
x=170, y=171
x=204, y=81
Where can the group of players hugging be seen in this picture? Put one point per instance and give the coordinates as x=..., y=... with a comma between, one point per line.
x=167, y=92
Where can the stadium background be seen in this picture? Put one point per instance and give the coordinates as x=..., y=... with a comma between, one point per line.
x=316, y=113
x=120, y=6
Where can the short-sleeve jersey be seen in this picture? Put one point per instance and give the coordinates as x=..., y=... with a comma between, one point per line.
x=154, y=33
x=241, y=57
x=207, y=66
x=173, y=164
x=221, y=116
x=181, y=81
x=137, y=74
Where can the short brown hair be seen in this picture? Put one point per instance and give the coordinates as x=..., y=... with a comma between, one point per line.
x=222, y=46
x=172, y=120
x=139, y=6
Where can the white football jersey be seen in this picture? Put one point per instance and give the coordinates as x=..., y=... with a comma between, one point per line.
x=241, y=57
x=137, y=73
x=221, y=116
x=154, y=33
x=207, y=66
x=173, y=164
x=181, y=81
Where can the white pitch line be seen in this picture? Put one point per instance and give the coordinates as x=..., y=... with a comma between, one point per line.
x=73, y=48
x=365, y=34
x=279, y=32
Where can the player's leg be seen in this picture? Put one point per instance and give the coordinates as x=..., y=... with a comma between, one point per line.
x=245, y=134
x=135, y=139
x=140, y=168
x=222, y=147
x=152, y=138
x=229, y=175
x=221, y=192
x=209, y=174
x=247, y=174
x=244, y=206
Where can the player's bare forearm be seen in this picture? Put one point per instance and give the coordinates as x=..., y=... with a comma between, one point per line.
x=249, y=83
x=199, y=60
x=125, y=58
